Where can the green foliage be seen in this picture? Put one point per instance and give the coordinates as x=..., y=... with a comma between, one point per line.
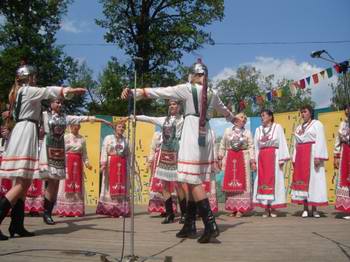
x=248, y=83
x=28, y=31
x=341, y=92
x=159, y=31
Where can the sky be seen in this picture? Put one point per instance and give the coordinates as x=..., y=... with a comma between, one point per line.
x=244, y=22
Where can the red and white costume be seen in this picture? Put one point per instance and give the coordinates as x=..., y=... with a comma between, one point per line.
x=237, y=152
x=70, y=198
x=5, y=183
x=114, y=197
x=342, y=152
x=308, y=182
x=271, y=150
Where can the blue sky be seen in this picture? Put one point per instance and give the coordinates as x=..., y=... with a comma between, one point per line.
x=245, y=21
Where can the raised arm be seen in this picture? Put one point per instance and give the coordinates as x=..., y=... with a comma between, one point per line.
x=159, y=121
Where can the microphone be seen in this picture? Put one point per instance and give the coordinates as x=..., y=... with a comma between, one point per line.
x=316, y=54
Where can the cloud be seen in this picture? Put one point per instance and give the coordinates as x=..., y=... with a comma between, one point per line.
x=288, y=69
x=75, y=27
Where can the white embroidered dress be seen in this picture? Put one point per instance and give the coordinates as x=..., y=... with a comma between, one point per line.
x=21, y=157
x=194, y=162
x=72, y=204
x=275, y=138
x=317, y=193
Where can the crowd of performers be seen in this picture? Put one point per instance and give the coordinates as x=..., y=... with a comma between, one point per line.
x=42, y=165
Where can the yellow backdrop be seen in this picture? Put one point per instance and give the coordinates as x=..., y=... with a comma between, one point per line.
x=144, y=133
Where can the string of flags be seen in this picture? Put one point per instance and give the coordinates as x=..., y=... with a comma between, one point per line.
x=300, y=84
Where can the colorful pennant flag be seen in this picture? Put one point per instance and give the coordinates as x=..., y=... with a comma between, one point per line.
x=269, y=96
x=302, y=83
x=322, y=73
x=329, y=72
x=308, y=80
x=315, y=78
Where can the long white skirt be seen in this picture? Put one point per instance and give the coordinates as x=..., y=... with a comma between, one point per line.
x=21, y=157
x=195, y=162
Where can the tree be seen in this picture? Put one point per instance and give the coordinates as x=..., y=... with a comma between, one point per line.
x=159, y=31
x=243, y=90
x=28, y=31
x=341, y=92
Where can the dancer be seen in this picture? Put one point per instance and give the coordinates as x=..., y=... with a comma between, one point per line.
x=237, y=156
x=21, y=158
x=309, y=186
x=70, y=198
x=156, y=202
x=52, y=154
x=166, y=168
x=271, y=153
x=342, y=163
x=196, y=152
x=5, y=183
x=114, y=197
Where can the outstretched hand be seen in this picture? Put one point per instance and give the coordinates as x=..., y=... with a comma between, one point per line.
x=125, y=93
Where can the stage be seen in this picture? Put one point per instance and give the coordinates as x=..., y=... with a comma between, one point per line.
x=253, y=238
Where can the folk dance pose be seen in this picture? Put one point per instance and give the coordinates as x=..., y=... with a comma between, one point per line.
x=166, y=167
x=156, y=202
x=21, y=157
x=114, y=197
x=196, y=152
x=271, y=153
x=237, y=156
x=342, y=163
x=70, y=198
x=309, y=186
x=52, y=155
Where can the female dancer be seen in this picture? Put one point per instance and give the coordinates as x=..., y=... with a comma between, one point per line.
x=342, y=162
x=237, y=155
x=166, y=169
x=52, y=153
x=309, y=185
x=196, y=152
x=21, y=158
x=70, y=198
x=114, y=197
x=271, y=153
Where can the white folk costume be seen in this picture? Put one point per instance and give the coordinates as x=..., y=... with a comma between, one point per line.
x=52, y=153
x=114, y=197
x=70, y=199
x=5, y=183
x=270, y=150
x=21, y=158
x=342, y=152
x=156, y=201
x=237, y=153
x=308, y=182
x=194, y=161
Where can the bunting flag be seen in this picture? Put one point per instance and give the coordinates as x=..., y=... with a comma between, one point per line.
x=308, y=80
x=329, y=72
x=300, y=84
x=322, y=73
x=315, y=78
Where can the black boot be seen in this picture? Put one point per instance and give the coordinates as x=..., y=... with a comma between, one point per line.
x=189, y=228
x=47, y=216
x=17, y=221
x=182, y=204
x=211, y=229
x=169, y=211
x=5, y=206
